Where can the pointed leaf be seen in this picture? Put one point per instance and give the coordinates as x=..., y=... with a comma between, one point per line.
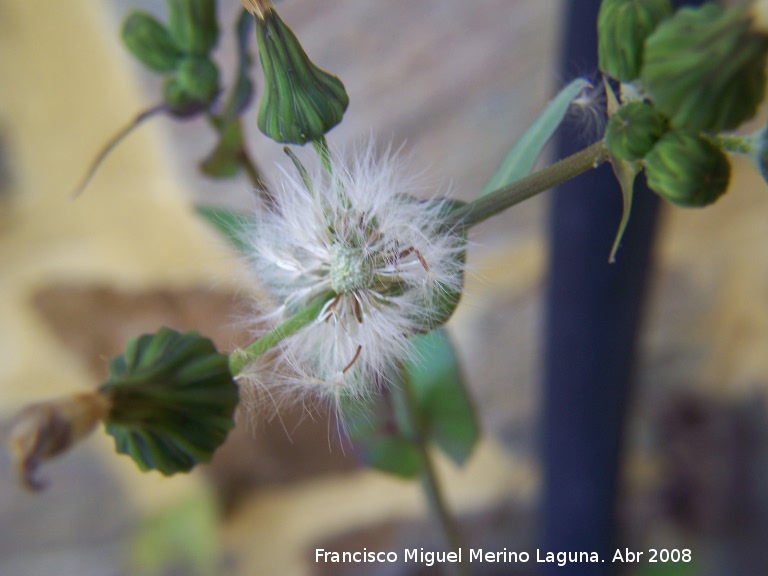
x=521, y=158
x=225, y=161
x=228, y=223
x=444, y=402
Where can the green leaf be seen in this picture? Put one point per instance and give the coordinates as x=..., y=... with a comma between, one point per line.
x=379, y=442
x=521, y=158
x=242, y=93
x=228, y=223
x=172, y=400
x=444, y=404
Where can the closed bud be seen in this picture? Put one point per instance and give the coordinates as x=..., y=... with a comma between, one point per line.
x=301, y=102
x=633, y=130
x=172, y=400
x=687, y=170
x=622, y=27
x=705, y=68
x=193, y=25
x=199, y=77
x=180, y=103
x=150, y=42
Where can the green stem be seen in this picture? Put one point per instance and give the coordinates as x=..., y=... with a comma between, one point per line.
x=735, y=144
x=507, y=196
x=429, y=481
x=239, y=359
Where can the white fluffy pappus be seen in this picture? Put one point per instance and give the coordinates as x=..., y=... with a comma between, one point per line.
x=359, y=233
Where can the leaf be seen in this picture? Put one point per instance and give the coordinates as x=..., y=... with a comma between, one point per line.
x=444, y=403
x=241, y=95
x=520, y=159
x=229, y=223
x=379, y=441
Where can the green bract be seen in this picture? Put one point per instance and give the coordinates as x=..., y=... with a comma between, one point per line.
x=172, y=400
x=633, y=130
x=301, y=102
x=180, y=103
x=622, y=27
x=705, y=68
x=687, y=170
x=150, y=42
x=193, y=25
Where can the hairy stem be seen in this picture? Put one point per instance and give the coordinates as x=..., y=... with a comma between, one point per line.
x=507, y=196
x=239, y=359
x=429, y=481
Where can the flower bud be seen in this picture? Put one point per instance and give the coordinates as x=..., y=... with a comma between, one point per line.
x=301, y=102
x=150, y=42
x=633, y=130
x=180, y=103
x=193, y=25
x=705, y=68
x=172, y=400
x=687, y=170
x=622, y=27
x=199, y=77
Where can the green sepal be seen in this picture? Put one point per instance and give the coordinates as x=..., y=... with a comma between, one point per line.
x=301, y=102
x=622, y=28
x=445, y=407
x=633, y=130
x=704, y=68
x=150, y=42
x=199, y=78
x=193, y=25
x=687, y=169
x=172, y=400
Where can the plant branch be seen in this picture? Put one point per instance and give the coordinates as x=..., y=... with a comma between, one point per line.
x=507, y=196
x=239, y=359
x=429, y=481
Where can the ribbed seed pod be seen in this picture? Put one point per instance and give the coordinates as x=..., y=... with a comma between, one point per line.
x=622, y=27
x=687, y=170
x=301, y=102
x=705, y=68
x=172, y=400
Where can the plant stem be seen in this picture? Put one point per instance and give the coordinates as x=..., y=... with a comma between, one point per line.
x=239, y=359
x=499, y=200
x=429, y=481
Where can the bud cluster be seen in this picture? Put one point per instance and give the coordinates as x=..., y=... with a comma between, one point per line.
x=698, y=71
x=179, y=50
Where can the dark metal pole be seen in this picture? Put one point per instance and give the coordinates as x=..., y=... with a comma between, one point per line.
x=593, y=310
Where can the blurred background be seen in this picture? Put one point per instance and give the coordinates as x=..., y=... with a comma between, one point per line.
x=455, y=83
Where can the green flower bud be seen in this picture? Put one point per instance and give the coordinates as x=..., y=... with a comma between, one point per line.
x=180, y=103
x=193, y=25
x=705, y=68
x=150, y=42
x=633, y=130
x=687, y=170
x=622, y=27
x=172, y=400
x=199, y=77
x=301, y=102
